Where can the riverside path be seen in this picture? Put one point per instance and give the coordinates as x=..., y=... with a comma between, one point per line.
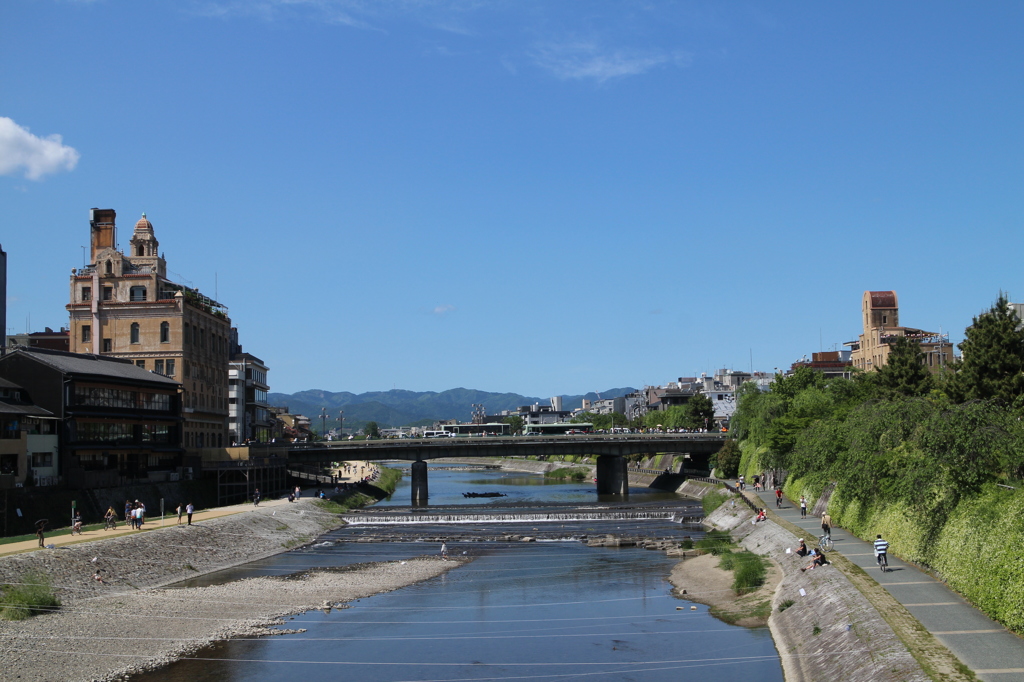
x=994, y=653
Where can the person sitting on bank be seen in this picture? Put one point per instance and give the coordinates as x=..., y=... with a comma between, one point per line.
x=802, y=549
x=818, y=560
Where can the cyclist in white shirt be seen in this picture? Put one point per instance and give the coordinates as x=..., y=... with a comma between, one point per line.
x=881, y=552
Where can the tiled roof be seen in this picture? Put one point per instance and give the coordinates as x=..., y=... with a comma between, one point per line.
x=883, y=299
x=78, y=363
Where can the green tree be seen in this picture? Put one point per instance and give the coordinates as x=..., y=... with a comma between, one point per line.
x=371, y=430
x=515, y=423
x=993, y=358
x=904, y=372
x=727, y=460
x=699, y=413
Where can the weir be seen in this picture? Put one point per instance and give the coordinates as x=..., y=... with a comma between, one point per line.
x=513, y=517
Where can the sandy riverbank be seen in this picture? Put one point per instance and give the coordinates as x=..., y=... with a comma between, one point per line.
x=131, y=623
x=706, y=583
x=108, y=638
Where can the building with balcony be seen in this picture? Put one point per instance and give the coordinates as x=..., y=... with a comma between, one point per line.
x=117, y=423
x=880, y=316
x=249, y=417
x=123, y=306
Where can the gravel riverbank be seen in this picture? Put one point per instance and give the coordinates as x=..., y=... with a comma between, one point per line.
x=108, y=631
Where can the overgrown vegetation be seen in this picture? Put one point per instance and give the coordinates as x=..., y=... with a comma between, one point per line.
x=934, y=463
x=712, y=500
x=748, y=569
x=715, y=542
x=572, y=473
x=34, y=595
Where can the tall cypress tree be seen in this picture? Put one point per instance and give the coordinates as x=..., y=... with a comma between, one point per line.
x=993, y=357
x=904, y=371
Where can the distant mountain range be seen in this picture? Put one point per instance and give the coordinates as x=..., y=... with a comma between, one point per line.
x=411, y=408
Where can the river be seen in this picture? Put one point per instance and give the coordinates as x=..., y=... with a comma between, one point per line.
x=547, y=609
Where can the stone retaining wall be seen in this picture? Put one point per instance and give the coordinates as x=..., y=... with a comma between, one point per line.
x=829, y=631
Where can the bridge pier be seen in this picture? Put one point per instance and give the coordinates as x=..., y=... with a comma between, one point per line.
x=419, y=483
x=612, y=476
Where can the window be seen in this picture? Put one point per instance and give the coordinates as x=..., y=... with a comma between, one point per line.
x=108, y=293
x=42, y=459
x=86, y=293
x=140, y=363
x=137, y=294
x=884, y=317
x=158, y=366
x=86, y=333
x=170, y=368
x=107, y=345
x=135, y=332
x=165, y=332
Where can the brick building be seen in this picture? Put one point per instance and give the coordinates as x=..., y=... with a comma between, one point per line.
x=122, y=305
x=880, y=315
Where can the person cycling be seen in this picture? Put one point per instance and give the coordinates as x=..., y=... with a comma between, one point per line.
x=881, y=553
x=778, y=498
x=111, y=518
x=76, y=524
x=826, y=524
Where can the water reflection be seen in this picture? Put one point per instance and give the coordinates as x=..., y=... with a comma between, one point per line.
x=554, y=610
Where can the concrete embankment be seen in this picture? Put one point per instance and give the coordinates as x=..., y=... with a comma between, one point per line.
x=824, y=628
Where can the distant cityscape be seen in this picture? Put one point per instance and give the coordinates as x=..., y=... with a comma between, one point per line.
x=149, y=380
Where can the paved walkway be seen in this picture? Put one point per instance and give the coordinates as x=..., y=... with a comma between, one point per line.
x=983, y=645
x=123, y=528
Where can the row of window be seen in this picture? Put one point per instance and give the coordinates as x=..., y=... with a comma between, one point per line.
x=136, y=293
x=95, y=396
x=135, y=335
x=165, y=367
x=107, y=432
x=197, y=336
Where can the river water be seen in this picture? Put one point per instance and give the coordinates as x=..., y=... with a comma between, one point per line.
x=548, y=609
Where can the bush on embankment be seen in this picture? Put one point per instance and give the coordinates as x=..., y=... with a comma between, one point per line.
x=32, y=596
x=712, y=500
x=347, y=500
x=571, y=473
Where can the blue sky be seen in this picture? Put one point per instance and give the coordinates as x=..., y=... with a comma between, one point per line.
x=539, y=197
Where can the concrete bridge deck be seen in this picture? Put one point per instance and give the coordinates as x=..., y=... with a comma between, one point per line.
x=609, y=449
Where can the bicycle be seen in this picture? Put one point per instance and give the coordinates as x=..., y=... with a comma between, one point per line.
x=110, y=524
x=883, y=561
x=825, y=543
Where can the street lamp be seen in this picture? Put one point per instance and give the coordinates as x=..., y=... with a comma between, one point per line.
x=323, y=423
x=341, y=424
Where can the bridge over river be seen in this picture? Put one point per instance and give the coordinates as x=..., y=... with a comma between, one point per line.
x=610, y=450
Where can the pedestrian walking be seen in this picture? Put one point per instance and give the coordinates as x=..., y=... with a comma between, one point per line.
x=444, y=550
x=826, y=525
x=803, y=507
x=256, y=498
x=180, y=509
x=188, y=512
x=40, y=527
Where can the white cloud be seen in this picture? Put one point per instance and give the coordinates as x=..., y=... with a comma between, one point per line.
x=442, y=309
x=586, y=60
x=20, y=150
